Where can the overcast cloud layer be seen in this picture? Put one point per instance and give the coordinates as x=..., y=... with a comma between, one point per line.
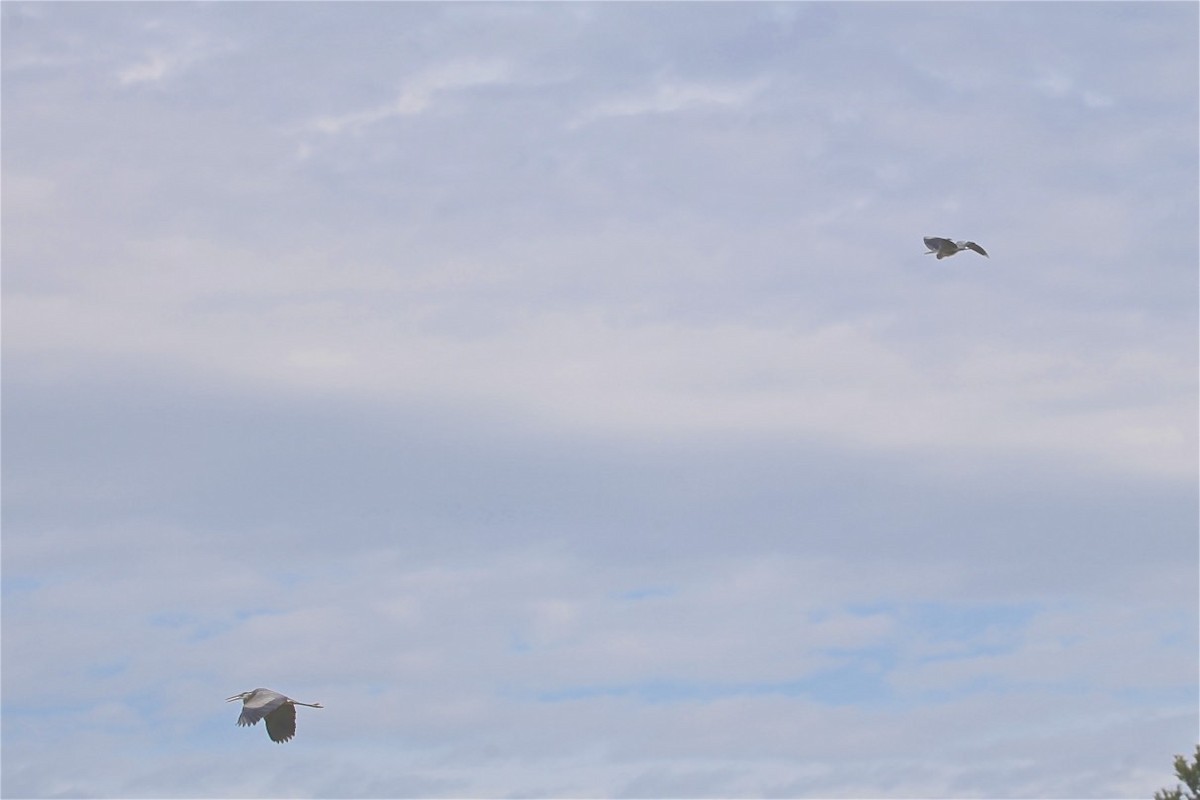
x=560, y=393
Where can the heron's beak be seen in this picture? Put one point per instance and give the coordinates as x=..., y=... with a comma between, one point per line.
x=235, y=697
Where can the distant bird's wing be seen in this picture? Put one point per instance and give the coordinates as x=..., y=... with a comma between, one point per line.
x=281, y=723
x=976, y=248
x=936, y=242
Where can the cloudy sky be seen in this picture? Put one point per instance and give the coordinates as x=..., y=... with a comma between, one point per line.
x=560, y=393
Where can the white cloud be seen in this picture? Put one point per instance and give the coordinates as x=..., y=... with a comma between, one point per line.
x=672, y=96
x=153, y=69
x=418, y=93
x=1059, y=85
x=184, y=51
x=580, y=369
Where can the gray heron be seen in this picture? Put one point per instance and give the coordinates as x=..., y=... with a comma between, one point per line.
x=946, y=248
x=279, y=711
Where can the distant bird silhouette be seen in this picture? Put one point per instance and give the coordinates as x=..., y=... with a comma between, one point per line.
x=279, y=711
x=946, y=248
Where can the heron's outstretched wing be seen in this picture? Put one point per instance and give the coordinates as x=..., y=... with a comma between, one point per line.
x=281, y=723
x=936, y=242
x=976, y=248
x=260, y=704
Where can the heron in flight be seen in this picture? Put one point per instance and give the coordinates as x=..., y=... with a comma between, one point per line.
x=279, y=711
x=946, y=248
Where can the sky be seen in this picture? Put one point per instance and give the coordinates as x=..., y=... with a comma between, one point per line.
x=561, y=394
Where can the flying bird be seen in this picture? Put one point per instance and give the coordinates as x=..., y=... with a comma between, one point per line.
x=946, y=248
x=279, y=711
